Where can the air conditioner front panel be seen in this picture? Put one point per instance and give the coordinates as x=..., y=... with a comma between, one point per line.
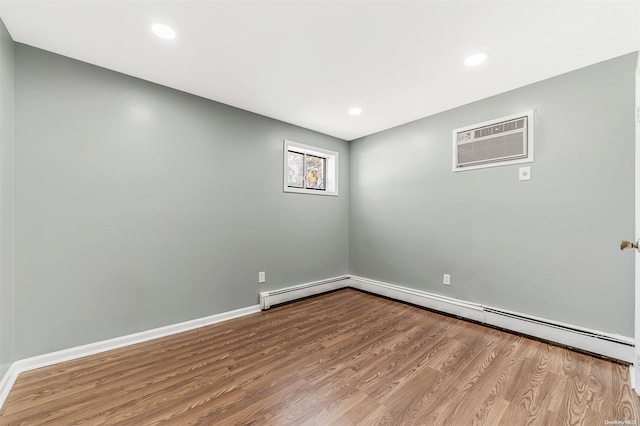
x=502, y=141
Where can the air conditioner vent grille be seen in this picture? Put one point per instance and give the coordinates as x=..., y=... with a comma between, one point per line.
x=503, y=141
x=500, y=128
x=495, y=149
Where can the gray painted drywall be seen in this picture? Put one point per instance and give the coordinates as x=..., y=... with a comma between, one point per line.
x=138, y=206
x=546, y=247
x=6, y=199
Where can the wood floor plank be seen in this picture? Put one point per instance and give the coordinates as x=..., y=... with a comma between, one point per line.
x=624, y=402
x=341, y=358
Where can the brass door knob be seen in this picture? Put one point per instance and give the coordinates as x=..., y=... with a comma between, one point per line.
x=628, y=245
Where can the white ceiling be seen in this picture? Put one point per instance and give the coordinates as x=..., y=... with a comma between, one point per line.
x=308, y=62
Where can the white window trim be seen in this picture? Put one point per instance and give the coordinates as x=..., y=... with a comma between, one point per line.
x=331, y=172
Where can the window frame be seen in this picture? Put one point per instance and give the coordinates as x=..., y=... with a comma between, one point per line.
x=330, y=164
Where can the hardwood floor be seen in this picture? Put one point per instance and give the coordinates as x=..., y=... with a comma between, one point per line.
x=341, y=358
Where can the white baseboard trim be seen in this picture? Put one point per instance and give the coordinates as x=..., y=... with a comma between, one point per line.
x=52, y=358
x=598, y=342
x=270, y=298
x=7, y=382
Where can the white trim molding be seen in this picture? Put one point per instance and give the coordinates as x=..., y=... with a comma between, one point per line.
x=7, y=382
x=635, y=372
x=52, y=358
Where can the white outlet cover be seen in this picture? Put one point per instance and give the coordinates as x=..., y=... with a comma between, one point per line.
x=525, y=173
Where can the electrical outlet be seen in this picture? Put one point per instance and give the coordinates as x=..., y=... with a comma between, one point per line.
x=261, y=277
x=446, y=279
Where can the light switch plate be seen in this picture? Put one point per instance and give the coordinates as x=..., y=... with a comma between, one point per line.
x=525, y=173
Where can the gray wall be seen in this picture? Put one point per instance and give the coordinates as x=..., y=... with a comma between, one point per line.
x=6, y=199
x=139, y=206
x=546, y=247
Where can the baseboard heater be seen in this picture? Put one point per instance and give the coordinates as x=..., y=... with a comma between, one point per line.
x=609, y=345
x=287, y=294
x=556, y=326
x=613, y=346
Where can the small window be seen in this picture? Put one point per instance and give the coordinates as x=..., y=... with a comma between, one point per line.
x=310, y=170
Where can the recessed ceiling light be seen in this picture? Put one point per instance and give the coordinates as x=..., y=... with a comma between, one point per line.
x=355, y=111
x=476, y=59
x=163, y=31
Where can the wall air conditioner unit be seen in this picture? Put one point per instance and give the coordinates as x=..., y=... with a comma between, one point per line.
x=505, y=140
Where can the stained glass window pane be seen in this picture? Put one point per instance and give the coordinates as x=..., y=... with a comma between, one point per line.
x=315, y=172
x=295, y=173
